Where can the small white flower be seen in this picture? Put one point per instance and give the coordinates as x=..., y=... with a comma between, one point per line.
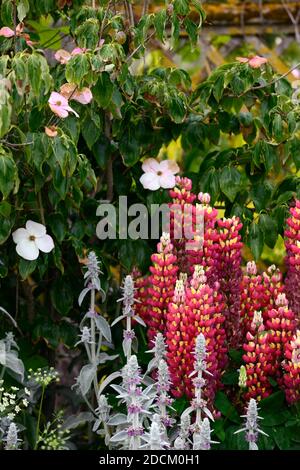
x=31, y=239
x=158, y=174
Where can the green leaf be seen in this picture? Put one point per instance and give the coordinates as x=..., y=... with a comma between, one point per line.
x=61, y=153
x=5, y=109
x=281, y=435
x=58, y=226
x=181, y=7
x=270, y=229
x=60, y=182
x=87, y=34
x=223, y=404
x=129, y=148
x=256, y=240
x=160, y=23
x=103, y=90
x=61, y=295
x=7, y=12
x=5, y=209
x=6, y=225
x=230, y=182
x=8, y=172
x=57, y=256
x=273, y=410
x=218, y=88
x=77, y=68
x=22, y=9
x=285, y=197
x=176, y=108
x=278, y=127
x=102, y=151
x=261, y=194
x=26, y=267
x=191, y=29
x=34, y=73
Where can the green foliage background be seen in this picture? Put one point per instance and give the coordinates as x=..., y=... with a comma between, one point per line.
x=239, y=137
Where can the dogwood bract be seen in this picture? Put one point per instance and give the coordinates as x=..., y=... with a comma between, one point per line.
x=59, y=105
x=70, y=92
x=158, y=174
x=64, y=56
x=255, y=62
x=31, y=240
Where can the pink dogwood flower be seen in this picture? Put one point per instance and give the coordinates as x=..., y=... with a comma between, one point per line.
x=70, y=92
x=7, y=32
x=51, y=131
x=64, y=56
x=158, y=174
x=59, y=105
x=255, y=62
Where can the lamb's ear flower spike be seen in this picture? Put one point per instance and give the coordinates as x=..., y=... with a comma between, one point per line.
x=251, y=428
x=11, y=439
x=137, y=403
x=155, y=438
x=202, y=439
x=159, y=351
x=182, y=441
x=128, y=313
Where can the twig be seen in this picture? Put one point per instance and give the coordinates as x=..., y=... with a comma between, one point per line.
x=44, y=44
x=261, y=12
x=17, y=297
x=145, y=7
x=15, y=24
x=56, y=40
x=10, y=144
x=130, y=11
x=109, y=168
x=140, y=46
x=259, y=87
x=242, y=19
x=10, y=317
x=104, y=19
x=294, y=19
x=42, y=213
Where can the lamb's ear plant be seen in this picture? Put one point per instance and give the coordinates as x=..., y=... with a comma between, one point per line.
x=251, y=427
x=128, y=313
x=155, y=438
x=94, y=333
x=199, y=404
x=137, y=401
x=202, y=437
x=163, y=400
x=182, y=441
x=159, y=352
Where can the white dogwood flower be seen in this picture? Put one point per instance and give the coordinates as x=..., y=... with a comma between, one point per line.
x=31, y=240
x=159, y=174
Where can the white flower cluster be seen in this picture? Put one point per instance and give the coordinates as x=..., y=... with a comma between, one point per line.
x=54, y=436
x=43, y=377
x=12, y=401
